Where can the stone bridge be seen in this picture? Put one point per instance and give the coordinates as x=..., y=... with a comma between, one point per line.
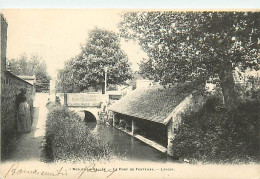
x=87, y=105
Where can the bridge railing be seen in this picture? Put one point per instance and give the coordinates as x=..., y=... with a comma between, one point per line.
x=83, y=99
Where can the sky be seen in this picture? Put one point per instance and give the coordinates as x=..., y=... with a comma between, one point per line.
x=155, y=4
x=57, y=35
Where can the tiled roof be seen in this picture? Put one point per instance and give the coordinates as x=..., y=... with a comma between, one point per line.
x=153, y=103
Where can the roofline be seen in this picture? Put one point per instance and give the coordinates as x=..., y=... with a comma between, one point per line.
x=177, y=109
x=136, y=117
x=2, y=16
x=27, y=77
x=10, y=73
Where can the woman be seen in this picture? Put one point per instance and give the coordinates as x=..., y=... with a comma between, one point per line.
x=24, y=122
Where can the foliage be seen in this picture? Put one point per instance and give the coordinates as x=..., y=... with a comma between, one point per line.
x=68, y=79
x=86, y=70
x=184, y=46
x=33, y=66
x=192, y=42
x=249, y=89
x=217, y=135
x=8, y=144
x=68, y=139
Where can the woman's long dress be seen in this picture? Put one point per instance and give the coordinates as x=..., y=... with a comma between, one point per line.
x=24, y=118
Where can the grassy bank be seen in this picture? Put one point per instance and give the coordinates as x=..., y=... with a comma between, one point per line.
x=215, y=135
x=68, y=139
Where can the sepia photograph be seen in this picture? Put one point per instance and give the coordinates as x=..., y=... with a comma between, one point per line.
x=130, y=93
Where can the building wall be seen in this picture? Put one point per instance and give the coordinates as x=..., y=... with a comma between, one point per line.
x=3, y=43
x=191, y=103
x=10, y=87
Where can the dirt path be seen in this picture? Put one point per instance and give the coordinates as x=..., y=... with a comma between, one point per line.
x=30, y=146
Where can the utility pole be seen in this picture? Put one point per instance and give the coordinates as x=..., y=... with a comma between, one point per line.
x=105, y=83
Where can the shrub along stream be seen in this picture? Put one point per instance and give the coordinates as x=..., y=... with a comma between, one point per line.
x=216, y=135
x=68, y=139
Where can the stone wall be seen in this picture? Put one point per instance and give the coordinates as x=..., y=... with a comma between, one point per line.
x=84, y=99
x=10, y=87
x=191, y=103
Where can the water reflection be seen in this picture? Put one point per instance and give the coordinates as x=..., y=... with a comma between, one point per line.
x=91, y=125
x=123, y=144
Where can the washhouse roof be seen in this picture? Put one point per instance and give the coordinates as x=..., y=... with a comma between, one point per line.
x=154, y=103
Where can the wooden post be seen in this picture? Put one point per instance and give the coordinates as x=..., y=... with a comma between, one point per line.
x=104, y=87
x=170, y=136
x=65, y=99
x=133, y=127
x=114, y=119
x=52, y=92
x=105, y=69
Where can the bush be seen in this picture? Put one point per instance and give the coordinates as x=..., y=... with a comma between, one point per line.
x=68, y=139
x=216, y=135
x=249, y=90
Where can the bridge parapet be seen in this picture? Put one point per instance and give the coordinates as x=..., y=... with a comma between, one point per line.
x=94, y=103
x=85, y=99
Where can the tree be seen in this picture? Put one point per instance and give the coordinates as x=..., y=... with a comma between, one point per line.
x=67, y=80
x=101, y=50
x=33, y=66
x=194, y=46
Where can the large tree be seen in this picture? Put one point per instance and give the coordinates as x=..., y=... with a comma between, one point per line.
x=101, y=50
x=194, y=46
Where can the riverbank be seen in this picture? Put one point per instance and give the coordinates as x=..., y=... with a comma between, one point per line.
x=68, y=139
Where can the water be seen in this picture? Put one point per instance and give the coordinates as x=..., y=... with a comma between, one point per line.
x=131, y=148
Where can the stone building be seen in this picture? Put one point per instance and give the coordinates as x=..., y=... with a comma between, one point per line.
x=153, y=114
